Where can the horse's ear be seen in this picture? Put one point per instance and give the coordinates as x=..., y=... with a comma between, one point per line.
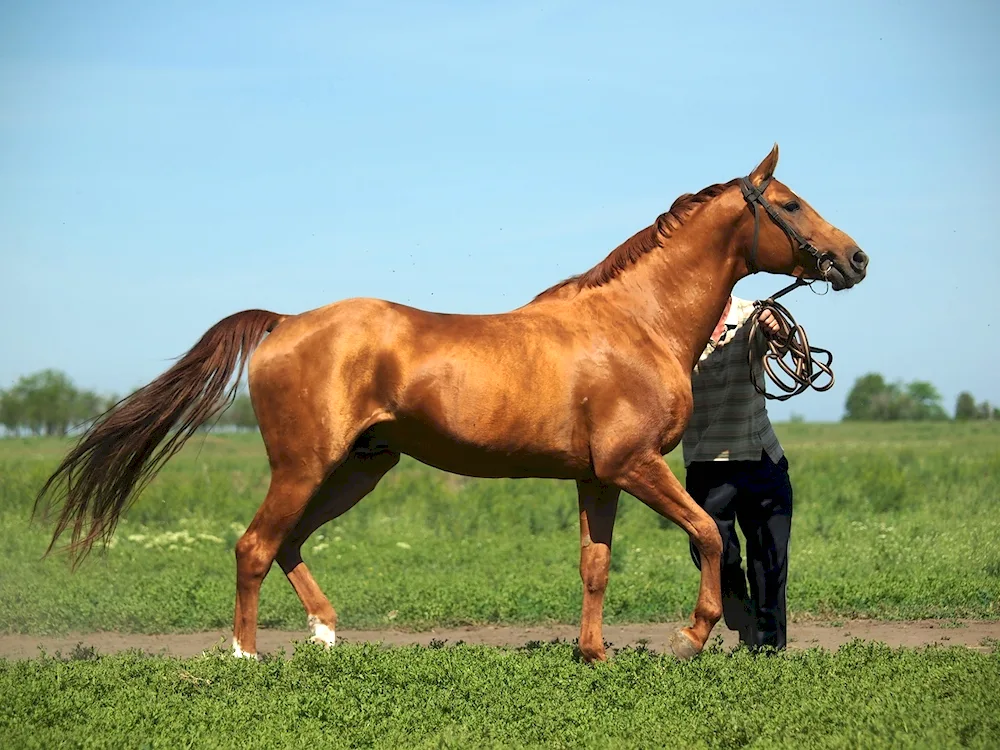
x=765, y=170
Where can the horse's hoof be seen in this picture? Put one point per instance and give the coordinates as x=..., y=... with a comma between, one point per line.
x=591, y=656
x=323, y=634
x=682, y=646
x=239, y=653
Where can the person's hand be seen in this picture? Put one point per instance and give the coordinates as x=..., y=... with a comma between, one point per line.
x=769, y=323
x=770, y=326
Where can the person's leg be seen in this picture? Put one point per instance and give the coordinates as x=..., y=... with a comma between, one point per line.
x=766, y=520
x=713, y=485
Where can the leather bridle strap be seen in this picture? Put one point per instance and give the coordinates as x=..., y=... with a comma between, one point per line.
x=754, y=196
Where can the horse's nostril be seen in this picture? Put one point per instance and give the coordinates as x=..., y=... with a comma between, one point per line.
x=859, y=260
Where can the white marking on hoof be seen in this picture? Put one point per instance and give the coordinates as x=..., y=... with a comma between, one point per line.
x=323, y=634
x=239, y=653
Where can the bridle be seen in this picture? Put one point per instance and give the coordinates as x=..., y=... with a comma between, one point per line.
x=754, y=195
x=792, y=336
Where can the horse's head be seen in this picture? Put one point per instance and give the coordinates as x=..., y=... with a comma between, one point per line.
x=783, y=234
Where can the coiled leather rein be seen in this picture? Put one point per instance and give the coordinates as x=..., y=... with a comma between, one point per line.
x=804, y=368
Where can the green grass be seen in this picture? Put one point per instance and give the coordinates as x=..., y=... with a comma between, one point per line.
x=863, y=695
x=890, y=521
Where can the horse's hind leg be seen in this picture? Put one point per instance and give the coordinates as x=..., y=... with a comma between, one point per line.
x=598, y=507
x=286, y=501
x=340, y=492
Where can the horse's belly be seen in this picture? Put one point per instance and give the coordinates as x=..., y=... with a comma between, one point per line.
x=501, y=413
x=490, y=454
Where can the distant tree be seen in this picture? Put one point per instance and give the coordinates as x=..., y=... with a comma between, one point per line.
x=923, y=401
x=965, y=406
x=984, y=411
x=873, y=399
x=87, y=405
x=868, y=399
x=47, y=403
x=11, y=411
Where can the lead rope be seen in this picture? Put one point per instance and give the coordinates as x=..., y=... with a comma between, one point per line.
x=791, y=341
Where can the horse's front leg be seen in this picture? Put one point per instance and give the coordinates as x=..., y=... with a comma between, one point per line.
x=647, y=477
x=598, y=507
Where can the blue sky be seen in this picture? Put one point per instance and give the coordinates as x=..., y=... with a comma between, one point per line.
x=165, y=164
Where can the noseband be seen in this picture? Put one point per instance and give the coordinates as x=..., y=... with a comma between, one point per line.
x=753, y=196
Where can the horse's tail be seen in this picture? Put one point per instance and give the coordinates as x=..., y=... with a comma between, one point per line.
x=122, y=452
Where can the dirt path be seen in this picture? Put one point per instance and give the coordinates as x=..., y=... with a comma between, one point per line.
x=976, y=634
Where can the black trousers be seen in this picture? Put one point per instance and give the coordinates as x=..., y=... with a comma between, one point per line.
x=757, y=494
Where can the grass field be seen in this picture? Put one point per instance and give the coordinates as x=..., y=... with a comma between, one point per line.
x=864, y=695
x=890, y=521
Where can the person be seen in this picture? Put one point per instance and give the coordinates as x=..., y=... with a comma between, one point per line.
x=737, y=471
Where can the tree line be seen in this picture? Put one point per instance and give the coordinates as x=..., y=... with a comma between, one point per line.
x=48, y=403
x=873, y=399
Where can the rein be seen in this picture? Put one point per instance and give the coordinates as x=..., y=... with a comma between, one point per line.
x=791, y=338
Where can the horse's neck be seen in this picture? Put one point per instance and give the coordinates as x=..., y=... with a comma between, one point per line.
x=688, y=282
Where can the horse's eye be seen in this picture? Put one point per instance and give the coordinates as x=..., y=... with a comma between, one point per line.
x=791, y=206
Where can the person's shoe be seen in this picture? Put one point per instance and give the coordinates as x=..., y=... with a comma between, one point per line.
x=768, y=641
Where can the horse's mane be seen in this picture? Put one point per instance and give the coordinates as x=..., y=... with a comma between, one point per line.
x=642, y=242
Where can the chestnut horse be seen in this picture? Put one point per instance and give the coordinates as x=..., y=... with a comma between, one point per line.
x=590, y=382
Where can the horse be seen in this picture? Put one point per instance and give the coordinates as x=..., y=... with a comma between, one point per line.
x=589, y=381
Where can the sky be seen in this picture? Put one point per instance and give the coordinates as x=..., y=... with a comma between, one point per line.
x=163, y=165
